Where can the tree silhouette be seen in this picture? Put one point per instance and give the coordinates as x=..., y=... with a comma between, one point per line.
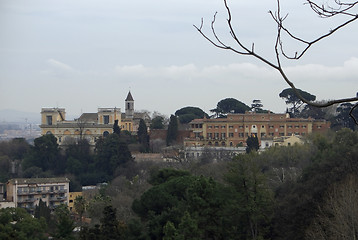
x=343, y=10
x=252, y=144
x=172, y=132
x=116, y=128
x=229, y=105
x=143, y=136
x=292, y=99
x=256, y=106
x=187, y=114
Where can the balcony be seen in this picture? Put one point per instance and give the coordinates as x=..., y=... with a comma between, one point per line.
x=57, y=191
x=58, y=199
x=27, y=193
x=28, y=200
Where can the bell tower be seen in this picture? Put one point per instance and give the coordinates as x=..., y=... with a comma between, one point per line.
x=129, y=102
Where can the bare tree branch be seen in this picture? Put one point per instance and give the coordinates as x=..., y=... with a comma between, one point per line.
x=324, y=11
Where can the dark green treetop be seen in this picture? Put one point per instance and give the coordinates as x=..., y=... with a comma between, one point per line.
x=143, y=136
x=253, y=200
x=16, y=223
x=111, y=152
x=291, y=99
x=160, y=176
x=172, y=132
x=252, y=143
x=185, y=206
x=64, y=223
x=157, y=123
x=116, y=128
x=187, y=114
x=44, y=154
x=230, y=105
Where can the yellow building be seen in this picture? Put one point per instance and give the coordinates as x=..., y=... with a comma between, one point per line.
x=288, y=141
x=89, y=126
x=71, y=200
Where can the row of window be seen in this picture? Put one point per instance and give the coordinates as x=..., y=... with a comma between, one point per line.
x=223, y=144
x=262, y=117
x=254, y=126
x=222, y=135
x=40, y=189
x=241, y=135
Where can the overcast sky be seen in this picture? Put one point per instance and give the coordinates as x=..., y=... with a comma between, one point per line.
x=85, y=54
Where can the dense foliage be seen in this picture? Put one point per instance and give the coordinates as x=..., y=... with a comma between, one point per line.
x=16, y=223
x=187, y=114
x=294, y=192
x=229, y=105
x=83, y=165
x=157, y=122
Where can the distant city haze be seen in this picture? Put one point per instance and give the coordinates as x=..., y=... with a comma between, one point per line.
x=85, y=54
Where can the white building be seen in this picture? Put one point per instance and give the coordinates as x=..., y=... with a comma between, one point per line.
x=27, y=193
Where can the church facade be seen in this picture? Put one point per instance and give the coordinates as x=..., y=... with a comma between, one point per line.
x=89, y=126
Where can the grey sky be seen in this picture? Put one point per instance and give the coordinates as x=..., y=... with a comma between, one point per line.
x=86, y=54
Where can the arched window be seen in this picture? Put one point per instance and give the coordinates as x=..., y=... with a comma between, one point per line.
x=105, y=133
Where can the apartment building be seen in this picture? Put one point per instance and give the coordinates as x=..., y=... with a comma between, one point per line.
x=27, y=192
x=235, y=129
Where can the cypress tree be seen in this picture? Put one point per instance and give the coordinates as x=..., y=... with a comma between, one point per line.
x=252, y=144
x=143, y=137
x=116, y=128
x=172, y=132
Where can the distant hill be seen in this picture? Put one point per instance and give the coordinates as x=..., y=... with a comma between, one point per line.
x=14, y=116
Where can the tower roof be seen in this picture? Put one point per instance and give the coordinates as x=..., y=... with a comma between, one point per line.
x=129, y=97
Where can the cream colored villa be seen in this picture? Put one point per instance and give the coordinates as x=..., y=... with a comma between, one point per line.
x=89, y=126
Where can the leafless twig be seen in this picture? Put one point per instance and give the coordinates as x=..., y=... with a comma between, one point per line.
x=324, y=11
